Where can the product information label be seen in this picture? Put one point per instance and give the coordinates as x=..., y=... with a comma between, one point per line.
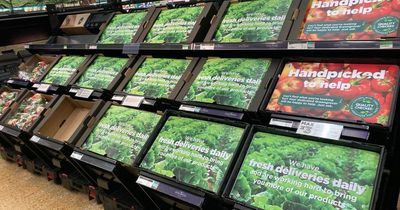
x=353, y=92
x=101, y=72
x=122, y=28
x=193, y=151
x=281, y=172
x=174, y=25
x=351, y=20
x=228, y=81
x=253, y=21
x=121, y=133
x=320, y=130
x=157, y=77
x=63, y=70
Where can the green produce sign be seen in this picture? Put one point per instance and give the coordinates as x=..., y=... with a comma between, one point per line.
x=285, y=173
x=228, y=81
x=194, y=152
x=253, y=21
x=122, y=28
x=121, y=133
x=101, y=72
x=173, y=25
x=63, y=70
x=157, y=77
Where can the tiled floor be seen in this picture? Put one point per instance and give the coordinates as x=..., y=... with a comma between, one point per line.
x=20, y=190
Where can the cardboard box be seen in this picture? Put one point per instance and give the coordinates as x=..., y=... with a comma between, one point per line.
x=75, y=24
x=27, y=69
x=65, y=120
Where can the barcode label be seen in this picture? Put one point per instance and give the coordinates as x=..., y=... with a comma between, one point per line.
x=43, y=88
x=117, y=98
x=84, y=93
x=35, y=139
x=133, y=101
x=92, y=47
x=77, y=155
x=282, y=123
x=321, y=130
x=147, y=182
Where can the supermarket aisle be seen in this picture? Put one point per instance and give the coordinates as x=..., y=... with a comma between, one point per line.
x=23, y=190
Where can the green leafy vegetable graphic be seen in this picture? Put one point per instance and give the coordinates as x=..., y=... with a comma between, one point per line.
x=101, y=72
x=228, y=81
x=157, y=77
x=194, y=152
x=173, y=25
x=63, y=70
x=122, y=28
x=253, y=21
x=320, y=175
x=121, y=133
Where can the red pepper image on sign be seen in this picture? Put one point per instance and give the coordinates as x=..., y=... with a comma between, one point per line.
x=339, y=91
x=350, y=20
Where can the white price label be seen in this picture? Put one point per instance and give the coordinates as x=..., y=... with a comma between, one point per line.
x=77, y=155
x=73, y=90
x=35, y=139
x=43, y=88
x=92, y=47
x=36, y=85
x=147, y=182
x=133, y=101
x=1, y=127
x=26, y=46
x=280, y=122
x=303, y=45
x=189, y=108
x=185, y=47
x=321, y=130
x=84, y=93
x=10, y=81
x=207, y=47
x=117, y=98
x=65, y=47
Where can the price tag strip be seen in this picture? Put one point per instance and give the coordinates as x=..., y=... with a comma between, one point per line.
x=147, y=182
x=36, y=85
x=188, y=108
x=92, y=47
x=73, y=90
x=321, y=130
x=84, y=93
x=281, y=123
x=35, y=139
x=77, y=155
x=1, y=127
x=133, y=101
x=43, y=88
x=117, y=98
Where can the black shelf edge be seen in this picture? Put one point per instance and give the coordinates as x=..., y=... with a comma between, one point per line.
x=197, y=49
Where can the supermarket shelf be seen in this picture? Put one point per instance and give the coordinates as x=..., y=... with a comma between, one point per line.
x=387, y=47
